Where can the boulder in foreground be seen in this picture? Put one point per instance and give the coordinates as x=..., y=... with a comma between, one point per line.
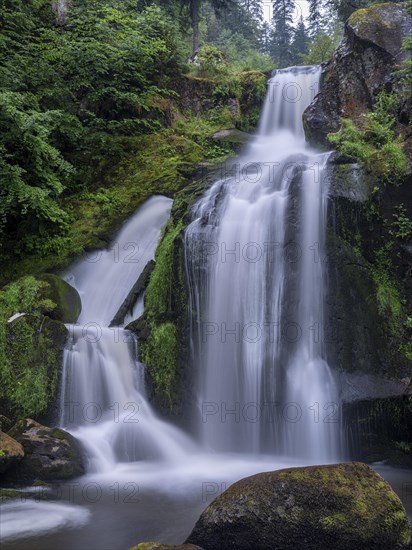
x=11, y=452
x=49, y=453
x=337, y=506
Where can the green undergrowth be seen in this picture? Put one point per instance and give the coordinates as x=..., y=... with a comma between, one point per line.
x=143, y=165
x=30, y=349
x=373, y=140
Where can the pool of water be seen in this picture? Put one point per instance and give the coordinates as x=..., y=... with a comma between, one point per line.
x=138, y=502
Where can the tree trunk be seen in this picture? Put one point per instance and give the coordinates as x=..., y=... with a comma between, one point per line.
x=194, y=8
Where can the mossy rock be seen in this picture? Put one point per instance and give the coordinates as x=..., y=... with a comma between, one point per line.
x=232, y=135
x=363, y=65
x=383, y=24
x=50, y=453
x=11, y=452
x=34, y=346
x=67, y=299
x=336, y=506
x=10, y=494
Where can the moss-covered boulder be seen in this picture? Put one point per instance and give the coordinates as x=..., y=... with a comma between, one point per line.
x=67, y=299
x=362, y=66
x=336, y=506
x=49, y=453
x=11, y=452
x=30, y=374
x=232, y=135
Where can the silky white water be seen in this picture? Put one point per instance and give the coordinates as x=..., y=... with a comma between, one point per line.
x=103, y=399
x=254, y=262
x=265, y=390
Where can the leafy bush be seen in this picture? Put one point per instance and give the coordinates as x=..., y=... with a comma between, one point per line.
x=402, y=224
x=350, y=141
x=373, y=140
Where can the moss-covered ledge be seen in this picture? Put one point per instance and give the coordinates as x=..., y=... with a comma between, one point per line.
x=163, y=329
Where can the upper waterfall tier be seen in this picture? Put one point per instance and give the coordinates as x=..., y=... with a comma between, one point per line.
x=105, y=277
x=257, y=291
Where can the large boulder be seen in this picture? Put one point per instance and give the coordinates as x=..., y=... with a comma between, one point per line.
x=362, y=66
x=11, y=452
x=50, y=453
x=338, y=506
x=67, y=299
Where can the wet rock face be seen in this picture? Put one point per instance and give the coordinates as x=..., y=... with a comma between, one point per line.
x=361, y=67
x=49, y=453
x=338, y=506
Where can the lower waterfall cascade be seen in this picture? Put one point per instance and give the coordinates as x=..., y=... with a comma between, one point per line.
x=103, y=399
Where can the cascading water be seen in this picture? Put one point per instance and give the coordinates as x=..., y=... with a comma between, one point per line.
x=254, y=264
x=103, y=400
x=253, y=254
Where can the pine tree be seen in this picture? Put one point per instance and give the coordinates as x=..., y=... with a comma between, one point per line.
x=282, y=30
x=193, y=8
x=265, y=38
x=315, y=17
x=300, y=42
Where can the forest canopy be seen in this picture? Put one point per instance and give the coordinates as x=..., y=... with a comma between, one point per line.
x=80, y=80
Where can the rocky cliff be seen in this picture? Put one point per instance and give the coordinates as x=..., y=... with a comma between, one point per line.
x=369, y=236
x=362, y=66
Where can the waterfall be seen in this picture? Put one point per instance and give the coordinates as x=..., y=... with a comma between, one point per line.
x=61, y=9
x=103, y=401
x=254, y=260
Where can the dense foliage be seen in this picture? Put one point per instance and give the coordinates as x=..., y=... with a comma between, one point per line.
x=81, y=86
x=373, y=140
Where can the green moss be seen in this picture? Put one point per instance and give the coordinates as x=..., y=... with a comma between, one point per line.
x=334, y=522
x=9, y=494
x=364, y=17
x=30, y=349
x=58, y=434
x=66, y=298
x=159, y=290
x=160, y=353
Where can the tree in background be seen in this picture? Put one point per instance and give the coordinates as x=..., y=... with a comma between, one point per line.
x=237, y=33
x=315, y=17
x=322, y=47
x=265, y=38
x=192, y=7
x=282, y=31
x=300, y=42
